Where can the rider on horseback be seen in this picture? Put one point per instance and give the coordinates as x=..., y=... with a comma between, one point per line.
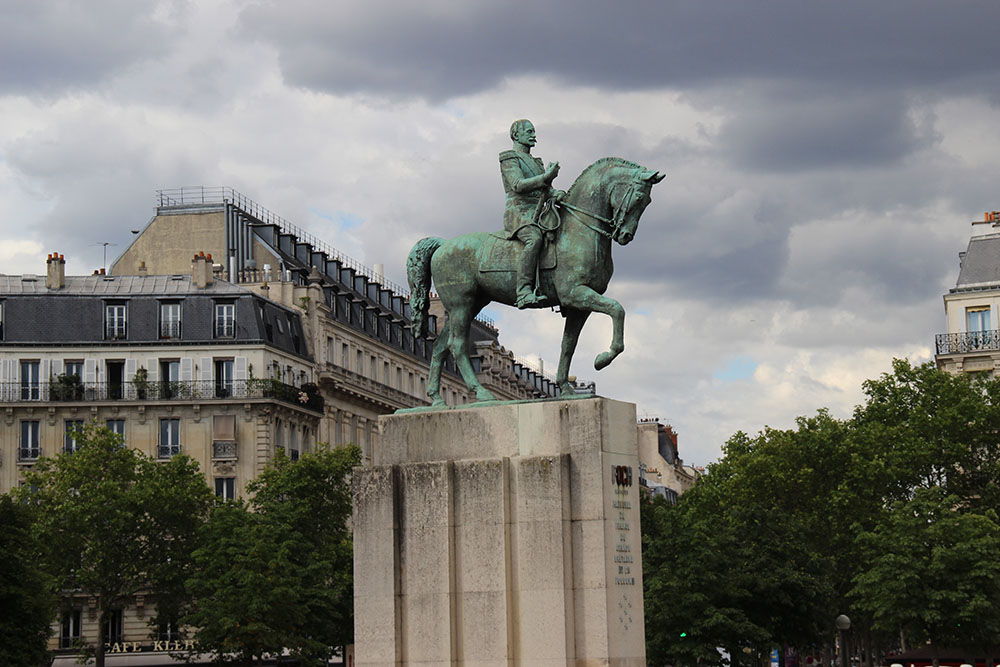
x=528, y=186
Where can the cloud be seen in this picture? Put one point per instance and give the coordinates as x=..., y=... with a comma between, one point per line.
x=54, y=45
x=822, y=161
x=439, y=50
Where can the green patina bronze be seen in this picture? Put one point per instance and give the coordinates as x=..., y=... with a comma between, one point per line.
x=572, y=270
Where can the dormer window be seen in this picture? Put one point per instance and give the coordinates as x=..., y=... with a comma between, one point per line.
x=114, y=321
x=225, y=320
x=170, y=320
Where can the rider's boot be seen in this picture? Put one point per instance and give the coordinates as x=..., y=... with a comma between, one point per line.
x=526, y=269
x=527, y=297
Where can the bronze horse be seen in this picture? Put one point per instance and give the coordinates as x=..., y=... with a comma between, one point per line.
x=603, y=204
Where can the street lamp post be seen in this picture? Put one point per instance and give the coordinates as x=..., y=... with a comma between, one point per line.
x=843, y=623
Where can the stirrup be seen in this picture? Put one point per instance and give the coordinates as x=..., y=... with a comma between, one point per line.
x=527, y=299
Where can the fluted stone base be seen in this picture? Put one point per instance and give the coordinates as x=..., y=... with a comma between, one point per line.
x=501, y=535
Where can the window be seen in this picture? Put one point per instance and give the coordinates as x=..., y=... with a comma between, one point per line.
x=116, y=426
x=29, y=450
x=1, y=320
x=293, y=444
x=74, y=367
x=223, y=378
x=113, y=627
x=399, y=378
x=169, y=631
x=385, y=372
x=30, y=384
x=114, y=321
x=978, y=320
x=170, y=437
x=279, y=435
x=225, y=320
x=225, y=488
x=345, y=355
x=73, y=428
x=69, y=630
x=372, y=364
x=170, y=320
x=170, y=376
x=358, y=367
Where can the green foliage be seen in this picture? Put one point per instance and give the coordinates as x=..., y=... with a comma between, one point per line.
x=27, y=604
x=275, y=573
x=113, y=522
x=889, y=517
x=934, y=571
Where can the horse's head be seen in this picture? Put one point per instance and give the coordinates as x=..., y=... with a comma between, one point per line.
x=629, y=197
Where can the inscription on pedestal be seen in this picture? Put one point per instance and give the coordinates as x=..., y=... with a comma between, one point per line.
x=621, y=513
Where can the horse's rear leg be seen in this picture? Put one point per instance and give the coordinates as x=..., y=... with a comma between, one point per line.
x=459, y=320
x=582, y=297
x=575, y=319
x=434, y=374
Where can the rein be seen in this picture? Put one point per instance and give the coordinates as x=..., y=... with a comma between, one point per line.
x=614, y=224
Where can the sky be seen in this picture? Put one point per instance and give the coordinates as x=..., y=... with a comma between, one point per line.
x=823, y=160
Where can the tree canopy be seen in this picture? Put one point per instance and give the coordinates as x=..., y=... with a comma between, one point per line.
x=889, y=517
x=27, y=603
x=275, y=573
x=113, y=522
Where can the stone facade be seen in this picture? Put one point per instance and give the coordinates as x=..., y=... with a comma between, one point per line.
x=972, y=307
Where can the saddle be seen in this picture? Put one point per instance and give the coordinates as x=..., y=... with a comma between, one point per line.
x=501, y=253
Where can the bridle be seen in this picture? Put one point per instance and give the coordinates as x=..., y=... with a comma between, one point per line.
x=615, y=223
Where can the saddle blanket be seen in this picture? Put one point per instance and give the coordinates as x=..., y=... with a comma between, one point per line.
x=501, y=254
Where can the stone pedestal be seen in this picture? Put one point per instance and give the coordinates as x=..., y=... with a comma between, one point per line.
x=501, y=535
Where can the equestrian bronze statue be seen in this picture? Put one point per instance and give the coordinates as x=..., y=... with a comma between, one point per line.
x=572, y=271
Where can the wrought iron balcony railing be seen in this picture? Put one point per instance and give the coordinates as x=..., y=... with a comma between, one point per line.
x=170, y=329
x=971, y=341
x=224, y=449
x=306, y=396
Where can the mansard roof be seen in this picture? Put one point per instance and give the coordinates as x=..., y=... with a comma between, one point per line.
x=111, y=286
x=980, y=268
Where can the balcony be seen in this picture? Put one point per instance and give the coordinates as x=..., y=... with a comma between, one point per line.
x=223, y=450
x=170, y=329
x=307, y=396
x=968, y=342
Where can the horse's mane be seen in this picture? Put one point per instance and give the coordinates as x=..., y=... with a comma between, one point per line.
x=603, y=163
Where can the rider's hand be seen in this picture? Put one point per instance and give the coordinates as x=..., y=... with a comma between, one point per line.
x=551, y=171
x=559, y=195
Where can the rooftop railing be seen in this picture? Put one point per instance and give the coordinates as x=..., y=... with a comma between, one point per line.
x=970, y=341
x=198, y=390
x=194, y=195
x=199, y=194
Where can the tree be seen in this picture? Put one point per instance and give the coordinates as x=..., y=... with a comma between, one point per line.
x=889, y=517
x=27, y=604
x=113, y=522
x=933, y=571
x=275, y=574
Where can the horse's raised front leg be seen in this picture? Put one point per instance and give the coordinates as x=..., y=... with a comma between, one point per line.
x=458, y=340
x=434, y=373
x=582, y=297
x=575, y=319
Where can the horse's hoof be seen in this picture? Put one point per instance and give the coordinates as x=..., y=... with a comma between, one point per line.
x=438, y=403
x=483, y=394
x=566, y=390
x=603, y=359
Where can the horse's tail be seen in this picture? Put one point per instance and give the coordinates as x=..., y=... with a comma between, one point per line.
x=418, y=275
